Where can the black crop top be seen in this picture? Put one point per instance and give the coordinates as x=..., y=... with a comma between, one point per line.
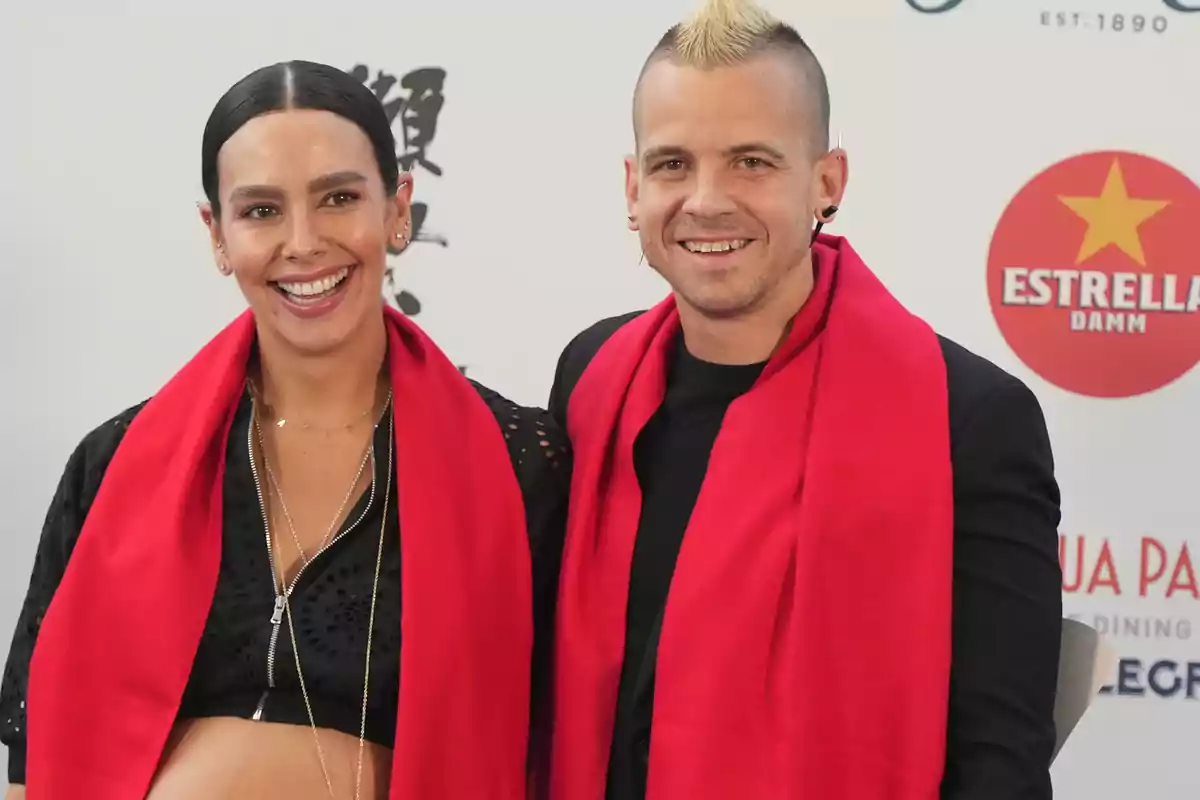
x=330, y=602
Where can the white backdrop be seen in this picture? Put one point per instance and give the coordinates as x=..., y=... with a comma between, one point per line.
x=946, y=117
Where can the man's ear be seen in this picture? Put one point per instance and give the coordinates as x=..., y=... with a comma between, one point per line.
x=830, y=177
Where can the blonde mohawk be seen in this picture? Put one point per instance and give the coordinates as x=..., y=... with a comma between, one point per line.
x=726, y=33
x=723, y=33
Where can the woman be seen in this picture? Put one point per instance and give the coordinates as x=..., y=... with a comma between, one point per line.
x=246, y=547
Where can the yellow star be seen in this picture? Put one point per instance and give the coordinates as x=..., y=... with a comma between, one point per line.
x=1113, y=217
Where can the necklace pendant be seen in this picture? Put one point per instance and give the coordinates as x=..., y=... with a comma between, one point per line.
x=280, y=423
x=277, y=614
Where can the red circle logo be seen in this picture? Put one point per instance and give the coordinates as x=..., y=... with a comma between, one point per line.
x=1094, y=274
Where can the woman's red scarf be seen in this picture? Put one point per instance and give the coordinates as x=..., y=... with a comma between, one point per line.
x=117, y=645
x=805, y=650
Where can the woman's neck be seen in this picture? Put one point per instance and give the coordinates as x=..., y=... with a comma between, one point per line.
x=327, y=389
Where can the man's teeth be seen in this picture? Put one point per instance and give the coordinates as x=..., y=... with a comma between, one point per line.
x=716, y=247
x=315, y=288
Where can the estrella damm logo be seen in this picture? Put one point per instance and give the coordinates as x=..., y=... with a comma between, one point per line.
x=1094, y=274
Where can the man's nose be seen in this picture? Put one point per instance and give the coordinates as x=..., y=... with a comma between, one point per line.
x=708, y=196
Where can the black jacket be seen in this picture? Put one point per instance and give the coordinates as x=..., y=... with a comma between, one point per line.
x=1007, y=587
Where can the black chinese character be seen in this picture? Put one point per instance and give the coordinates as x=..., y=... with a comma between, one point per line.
x=420, y=211
x=417, y=107
x=406, y=301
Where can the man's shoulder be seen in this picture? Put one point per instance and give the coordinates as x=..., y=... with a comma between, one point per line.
x=577, y=355
x=971, y=378
x=982, y=393
x=974, y=383
x=588, y=342
x=969, y=372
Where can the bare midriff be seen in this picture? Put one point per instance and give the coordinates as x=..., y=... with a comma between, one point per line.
x=222, y=758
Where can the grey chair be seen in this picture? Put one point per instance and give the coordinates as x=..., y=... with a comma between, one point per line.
x=1084, y=660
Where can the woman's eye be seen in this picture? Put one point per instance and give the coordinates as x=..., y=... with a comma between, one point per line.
x=258, y=212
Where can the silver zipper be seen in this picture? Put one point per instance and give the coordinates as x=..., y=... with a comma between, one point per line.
x=277, y=611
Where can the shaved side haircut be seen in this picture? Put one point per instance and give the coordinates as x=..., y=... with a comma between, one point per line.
x=725, y=33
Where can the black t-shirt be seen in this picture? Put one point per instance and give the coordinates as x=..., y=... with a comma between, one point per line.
x=671, y=458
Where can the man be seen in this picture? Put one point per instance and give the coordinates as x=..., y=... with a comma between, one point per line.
x=866, y=604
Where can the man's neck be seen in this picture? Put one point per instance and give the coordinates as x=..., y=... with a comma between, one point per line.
x=751, y=337
x=326, y=389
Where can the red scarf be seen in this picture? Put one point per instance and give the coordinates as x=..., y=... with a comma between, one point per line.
x=117, y=644
x=805, y=649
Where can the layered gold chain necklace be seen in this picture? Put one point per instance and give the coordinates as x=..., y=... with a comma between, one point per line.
x=283, y=588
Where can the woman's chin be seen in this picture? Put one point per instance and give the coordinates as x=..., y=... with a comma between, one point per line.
x=326, y=325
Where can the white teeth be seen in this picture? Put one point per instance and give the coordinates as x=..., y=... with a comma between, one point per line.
x=715, y=247
x=314, y=288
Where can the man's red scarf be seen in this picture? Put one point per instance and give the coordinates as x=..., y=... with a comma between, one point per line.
x=117, y=645
x=805, y=649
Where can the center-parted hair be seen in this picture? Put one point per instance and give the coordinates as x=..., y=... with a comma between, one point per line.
x=303, y=85
x=725, y=33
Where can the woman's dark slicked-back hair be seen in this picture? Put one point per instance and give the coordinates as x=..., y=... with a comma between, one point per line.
x=297, y=84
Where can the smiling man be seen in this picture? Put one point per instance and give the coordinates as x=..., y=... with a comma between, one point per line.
x=812, y=550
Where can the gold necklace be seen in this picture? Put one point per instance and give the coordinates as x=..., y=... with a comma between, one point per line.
x=283, y=592
x=280, y=422
x=333, y=526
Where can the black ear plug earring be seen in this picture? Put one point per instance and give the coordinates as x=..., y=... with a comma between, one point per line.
x=826, y=216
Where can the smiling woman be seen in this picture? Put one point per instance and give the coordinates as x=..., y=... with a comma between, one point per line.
x=246, y=546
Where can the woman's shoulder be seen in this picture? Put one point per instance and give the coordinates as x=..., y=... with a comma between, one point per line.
x=81, y=478
x=64, y=521
x=95, y=451
x=535, y=441
x=541, y=460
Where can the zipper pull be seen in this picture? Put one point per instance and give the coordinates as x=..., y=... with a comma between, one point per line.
x=258, y=711
x=277, y=614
